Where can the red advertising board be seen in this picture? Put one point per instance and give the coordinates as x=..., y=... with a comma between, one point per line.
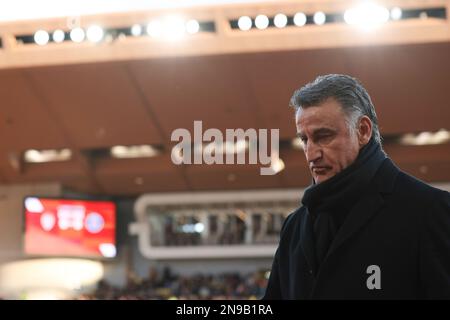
x=62, y=227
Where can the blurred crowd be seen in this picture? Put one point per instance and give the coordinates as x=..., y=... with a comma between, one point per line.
x=166, y=286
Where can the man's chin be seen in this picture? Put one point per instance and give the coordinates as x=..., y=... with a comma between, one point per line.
x=321, y=178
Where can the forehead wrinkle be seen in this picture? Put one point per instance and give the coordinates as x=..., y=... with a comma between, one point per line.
x=315, y=121
x=325, y=124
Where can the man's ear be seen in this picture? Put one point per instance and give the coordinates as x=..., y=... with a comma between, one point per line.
x=364, y=130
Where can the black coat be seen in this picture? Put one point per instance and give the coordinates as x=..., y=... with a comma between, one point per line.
x=402, y=226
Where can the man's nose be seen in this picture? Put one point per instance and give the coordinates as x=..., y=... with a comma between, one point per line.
x=313, y=152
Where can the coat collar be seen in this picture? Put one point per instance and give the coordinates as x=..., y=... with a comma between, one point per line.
x=362, y=212
x=365, y=208
x=368, y=205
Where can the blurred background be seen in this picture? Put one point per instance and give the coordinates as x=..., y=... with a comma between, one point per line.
x=91, y=204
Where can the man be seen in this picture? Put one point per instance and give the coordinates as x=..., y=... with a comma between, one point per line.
x=366, y=230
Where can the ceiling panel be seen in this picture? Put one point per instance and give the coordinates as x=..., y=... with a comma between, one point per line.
x=148, y=182
x=97, y=104
x=210, y=89
x=24, y=120
x=133, y=176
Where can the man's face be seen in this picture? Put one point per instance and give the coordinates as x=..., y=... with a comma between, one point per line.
x=329, y=145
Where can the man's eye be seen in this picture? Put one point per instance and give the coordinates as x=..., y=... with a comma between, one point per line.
x=324, y=137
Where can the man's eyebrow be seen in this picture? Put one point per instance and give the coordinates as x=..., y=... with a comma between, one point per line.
x=323, y=131
x=318, y=131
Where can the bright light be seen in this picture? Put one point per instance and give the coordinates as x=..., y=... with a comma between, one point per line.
x=140, y=151
x=235, y=148
x=41, y=37
x=34, y=205
x=280, y=20
x=136, y=30
x=442, y=136
x=58, y=36
x=51, y=274
x=108, y=250
x=297, y=144
x=319, y=18
x=426, y=138
x=261, y=22
x=77, y=35
x=351, y=16
x=199, y=227
x=300, y=19
x=95, y=33
x=154, y=29
x=193, y=228
x=277, y=166
x=192, y=26
x=245, y=23
x=173, y=28
x=227, y=147
x=396, y=13
x=367, y=16
x=47, y=155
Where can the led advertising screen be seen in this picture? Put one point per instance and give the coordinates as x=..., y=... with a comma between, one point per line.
x=75, y=228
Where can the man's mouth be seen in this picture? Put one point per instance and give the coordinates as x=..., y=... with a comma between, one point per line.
x=320, y=170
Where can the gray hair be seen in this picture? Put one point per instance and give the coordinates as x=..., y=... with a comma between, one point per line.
x=346, y=90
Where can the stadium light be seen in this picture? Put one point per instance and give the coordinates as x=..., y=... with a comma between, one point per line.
x=280, y=20
x=154, y=29
x=138, y=151
x=319, y=18
x=245, y=23
x=41, y=37
x=77, y=35
x=58, y=36
x=426, y=138
x=396, y=13
x=367, y=16
x=261, y=22
x=173, y=28
x=136, y=30
x=94, y=33
x=36, y=156
x=192, y=27
x=300, y=19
